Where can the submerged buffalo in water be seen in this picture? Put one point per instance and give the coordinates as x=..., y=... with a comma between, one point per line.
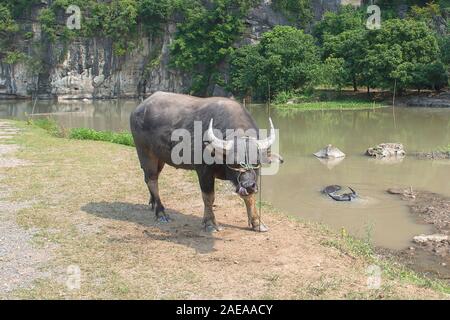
x=153, y=123
x=332, y=190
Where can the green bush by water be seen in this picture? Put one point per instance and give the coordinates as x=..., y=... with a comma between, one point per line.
x=54, y=129
x=332, y=105
x=124, y=138
x=48, y=125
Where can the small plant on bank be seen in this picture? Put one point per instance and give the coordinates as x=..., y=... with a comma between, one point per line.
x=50, y=125
x=124, y=138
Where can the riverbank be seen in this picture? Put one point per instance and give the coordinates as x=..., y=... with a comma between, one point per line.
x=428, y=252
x=350, y=100
x=86, y=200
x=332, y=105
x=330, y=100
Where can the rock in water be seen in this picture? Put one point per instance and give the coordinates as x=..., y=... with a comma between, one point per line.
x=430, y=238
x=386, y=150
x=329, y=152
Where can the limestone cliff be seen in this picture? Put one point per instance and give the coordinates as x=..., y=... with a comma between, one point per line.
x=88, y=68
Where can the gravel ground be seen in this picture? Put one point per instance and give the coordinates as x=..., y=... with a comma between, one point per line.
x=20, y=260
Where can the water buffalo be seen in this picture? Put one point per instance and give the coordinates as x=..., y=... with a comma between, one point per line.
x=153, y=123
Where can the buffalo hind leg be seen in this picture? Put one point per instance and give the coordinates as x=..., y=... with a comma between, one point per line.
x=206, y=180
x=151, y=179
x=151, y=201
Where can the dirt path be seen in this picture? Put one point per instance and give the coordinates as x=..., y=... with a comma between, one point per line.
x=89, y=199
x=19, y=259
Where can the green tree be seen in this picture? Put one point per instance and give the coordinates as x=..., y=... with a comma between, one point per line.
x=8, y=32
x=204, y=40
x=444, y=46
x=285, y=59
x=350, y=46
x=334, y=73
x=153, y=13
x=121, y=24
x=297, y=11
x=399, y=52
x=334, y=23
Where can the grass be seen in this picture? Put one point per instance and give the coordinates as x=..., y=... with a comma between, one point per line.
x=394, y=270
x=122, y=254
x=332, y=105
x=325, y=100
x=50, y=125
x=124, y=138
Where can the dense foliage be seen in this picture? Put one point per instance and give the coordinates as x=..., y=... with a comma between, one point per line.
x=205, y=38
x=403, y=52
x=297, y=11
x=285, y=58
x=409, y=52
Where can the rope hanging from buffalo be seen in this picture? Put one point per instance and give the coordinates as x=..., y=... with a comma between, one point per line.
x=260, y=199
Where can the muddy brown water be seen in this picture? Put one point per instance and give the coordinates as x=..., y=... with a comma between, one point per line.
x=383, y=218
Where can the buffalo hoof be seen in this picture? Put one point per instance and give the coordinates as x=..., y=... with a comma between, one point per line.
x=210, y=228
x=260, y=228
x=163, y=218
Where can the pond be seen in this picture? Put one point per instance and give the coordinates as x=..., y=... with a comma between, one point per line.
x=296, y=188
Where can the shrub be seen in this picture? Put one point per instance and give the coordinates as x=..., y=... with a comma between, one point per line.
x=124, y=138
x=48, y=125
x=51, y=126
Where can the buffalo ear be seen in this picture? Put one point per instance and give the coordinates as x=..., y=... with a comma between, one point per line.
x=276, y=158
x=272, y=158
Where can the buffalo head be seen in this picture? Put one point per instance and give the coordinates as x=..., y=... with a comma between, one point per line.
x=243, y=155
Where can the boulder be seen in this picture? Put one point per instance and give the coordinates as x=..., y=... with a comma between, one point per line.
x=329, y=152
x=422, y=239
x=386, y=150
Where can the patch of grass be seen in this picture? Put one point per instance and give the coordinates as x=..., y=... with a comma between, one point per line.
x=321, y=286
x=444, y=149
x=51, y=126
x=394, y=270
x=47, y=124
x=351, y=245
x=324, y=100
x=332, y=105
x=124, y=138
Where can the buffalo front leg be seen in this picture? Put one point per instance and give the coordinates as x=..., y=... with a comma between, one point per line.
x=209, y=219
x=206, y=179
x=254, y=219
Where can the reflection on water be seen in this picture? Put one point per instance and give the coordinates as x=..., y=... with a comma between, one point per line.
x=296, y=188
x=111, y=115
